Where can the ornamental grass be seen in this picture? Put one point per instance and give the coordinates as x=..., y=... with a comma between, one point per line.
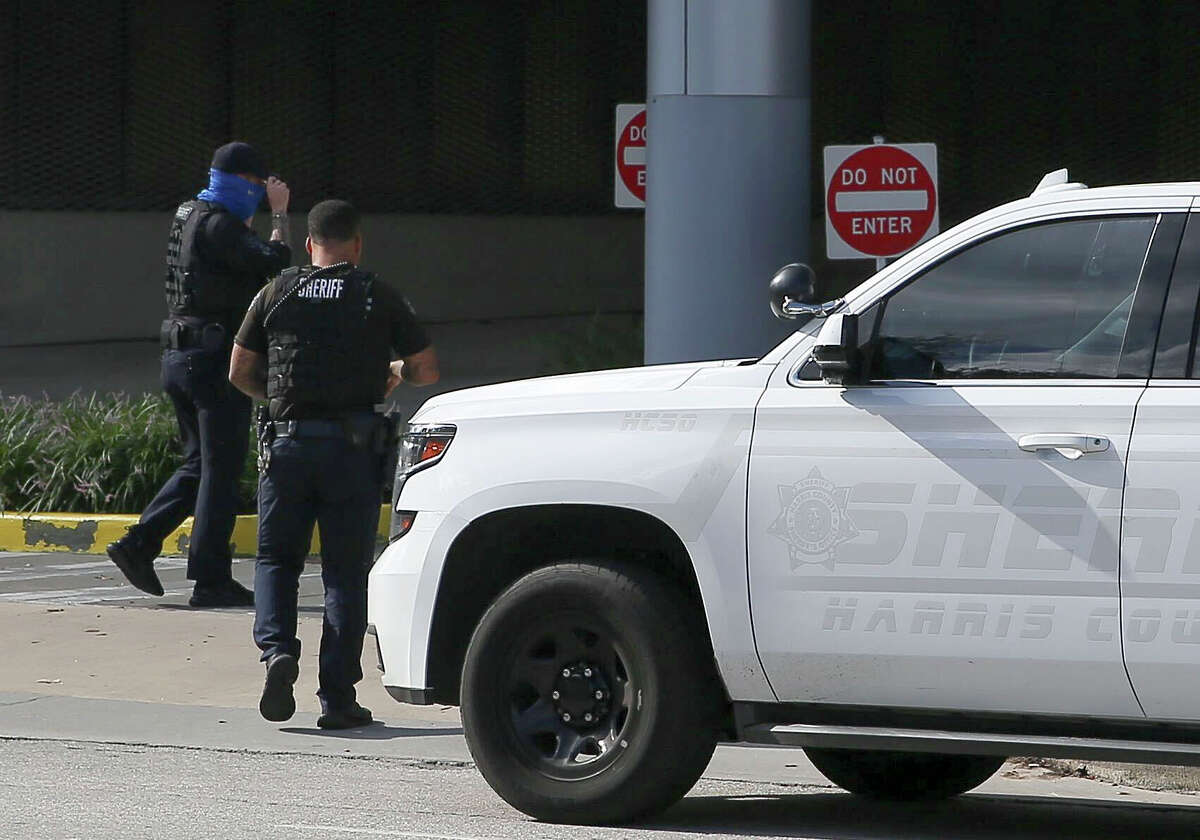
x=92, y=453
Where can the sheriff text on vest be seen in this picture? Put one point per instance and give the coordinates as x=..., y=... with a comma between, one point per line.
x=322, y=288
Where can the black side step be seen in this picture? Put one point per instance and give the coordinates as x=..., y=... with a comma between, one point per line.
x=971, y=743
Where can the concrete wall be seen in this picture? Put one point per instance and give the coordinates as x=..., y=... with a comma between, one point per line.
x=80, y=277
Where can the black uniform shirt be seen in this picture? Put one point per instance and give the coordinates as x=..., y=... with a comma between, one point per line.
x=406, y=336
x=226, y=244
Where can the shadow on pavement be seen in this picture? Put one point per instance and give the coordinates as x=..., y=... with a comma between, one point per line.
x=181, y=607
x=374, y=732
x=840, y=816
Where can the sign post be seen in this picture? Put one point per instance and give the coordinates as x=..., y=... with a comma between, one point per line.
x=880, y=200
x=629, y=188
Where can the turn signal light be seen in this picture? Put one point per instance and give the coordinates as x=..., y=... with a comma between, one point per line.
x=402, y=522
x=434, y=447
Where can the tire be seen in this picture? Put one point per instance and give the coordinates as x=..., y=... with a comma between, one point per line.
x=901, y=776
x=614, y=646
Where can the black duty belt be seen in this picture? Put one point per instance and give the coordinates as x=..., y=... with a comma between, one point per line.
x=309, y=428
x=360, y=430
x=183, y=335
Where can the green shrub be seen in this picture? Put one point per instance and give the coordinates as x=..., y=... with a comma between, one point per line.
x=91, y=453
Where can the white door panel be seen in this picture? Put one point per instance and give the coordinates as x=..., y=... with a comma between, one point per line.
x=1161, y=553
x=905, y=551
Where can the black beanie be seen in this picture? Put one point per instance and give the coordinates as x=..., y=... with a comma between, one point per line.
x=238, y=157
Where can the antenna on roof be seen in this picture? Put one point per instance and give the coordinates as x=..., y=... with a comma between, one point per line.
x=1056, y=181
x=1051, y=179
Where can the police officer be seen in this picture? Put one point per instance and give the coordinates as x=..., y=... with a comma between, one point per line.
x=316, y=345
x=215, y=264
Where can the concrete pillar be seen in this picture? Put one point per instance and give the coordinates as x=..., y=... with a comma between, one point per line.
x=727, y=197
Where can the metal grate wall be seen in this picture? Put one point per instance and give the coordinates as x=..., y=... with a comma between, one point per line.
x=490, y=107
x=465, y=106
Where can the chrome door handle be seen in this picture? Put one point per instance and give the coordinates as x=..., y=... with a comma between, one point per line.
x=1068, y=446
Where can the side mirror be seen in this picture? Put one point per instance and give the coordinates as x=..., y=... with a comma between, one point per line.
x=836, y=350
x=793, y=292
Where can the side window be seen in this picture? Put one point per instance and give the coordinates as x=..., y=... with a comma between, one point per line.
x=1174, y=357
x=1050, y=300
x=1185, y=288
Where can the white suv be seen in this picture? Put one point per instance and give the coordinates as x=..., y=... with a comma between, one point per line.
x=954, y=517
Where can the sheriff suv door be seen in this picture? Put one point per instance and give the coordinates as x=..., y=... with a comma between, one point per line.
x=1160, y=545
x=941, y=536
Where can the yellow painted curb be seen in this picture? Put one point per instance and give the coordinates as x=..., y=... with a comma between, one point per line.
x=89, y=533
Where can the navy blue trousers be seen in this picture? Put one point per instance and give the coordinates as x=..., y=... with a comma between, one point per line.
x=332, y=483
x=214, y=425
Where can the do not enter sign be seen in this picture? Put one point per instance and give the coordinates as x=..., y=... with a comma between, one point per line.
x=630, y=186
x=880, y=200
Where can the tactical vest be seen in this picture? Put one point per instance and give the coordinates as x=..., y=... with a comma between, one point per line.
x=193, y=287
x=328, y=346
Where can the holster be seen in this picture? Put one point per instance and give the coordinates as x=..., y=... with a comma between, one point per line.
x=388, y=435
x=266, y=436
x=178, y=334
x=376, y=433
x=168, y=334
x=213, y=337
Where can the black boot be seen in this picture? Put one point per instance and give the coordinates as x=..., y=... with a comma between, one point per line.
x=278, y=703
x=227, y=593
x=135, y=559
x=345, y=718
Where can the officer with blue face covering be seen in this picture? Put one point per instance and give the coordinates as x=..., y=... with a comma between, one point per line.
x=215, y=266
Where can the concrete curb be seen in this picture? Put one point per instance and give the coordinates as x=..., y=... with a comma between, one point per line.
x=89, y=533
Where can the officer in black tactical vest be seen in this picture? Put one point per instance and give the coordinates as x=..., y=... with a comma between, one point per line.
x=318, y=345
x=215, y=265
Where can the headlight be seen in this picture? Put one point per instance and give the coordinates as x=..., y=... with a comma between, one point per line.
x=423, y=445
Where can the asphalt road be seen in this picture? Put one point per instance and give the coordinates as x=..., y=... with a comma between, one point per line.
x=62, y=579
x=78, y=790
x=129, y=717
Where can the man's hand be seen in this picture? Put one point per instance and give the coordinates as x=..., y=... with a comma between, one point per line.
x=417, y=369
x=394, y=371
x=278, y=195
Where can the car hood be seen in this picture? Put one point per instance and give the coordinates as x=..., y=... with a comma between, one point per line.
x=624, y=380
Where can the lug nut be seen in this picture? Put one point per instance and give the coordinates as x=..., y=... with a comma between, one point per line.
x=588, y=717
x=555, y=695
x=567, y=717
x=566, y=672
x=599, y=695
x=587, y=672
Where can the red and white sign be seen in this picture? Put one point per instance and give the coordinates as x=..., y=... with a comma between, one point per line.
x=880, y=200
x=630, y=179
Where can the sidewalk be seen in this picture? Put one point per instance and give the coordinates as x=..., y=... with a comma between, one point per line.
x=172, y=655
x=191, y=678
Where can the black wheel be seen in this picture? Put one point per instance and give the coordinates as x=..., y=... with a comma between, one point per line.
x=587, y=696
x=901, y=776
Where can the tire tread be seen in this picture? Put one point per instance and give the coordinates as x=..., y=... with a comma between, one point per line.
x=682, y=741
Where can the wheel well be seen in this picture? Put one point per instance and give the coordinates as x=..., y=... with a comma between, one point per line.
x=495, y=550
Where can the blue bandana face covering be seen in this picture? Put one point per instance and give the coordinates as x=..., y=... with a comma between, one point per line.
x=235, y=194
